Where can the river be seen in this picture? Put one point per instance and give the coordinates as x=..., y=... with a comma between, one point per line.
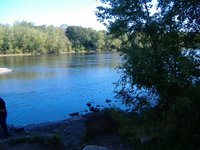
x=47, y=88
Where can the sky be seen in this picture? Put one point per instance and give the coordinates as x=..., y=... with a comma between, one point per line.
x=51, y=12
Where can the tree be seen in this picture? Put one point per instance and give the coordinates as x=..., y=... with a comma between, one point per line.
x=81, y=38
x=112, y=43
x=154, y=57
x=7, y=39
x=100, y=44
x=24, y=37
x=153, y=52
x=1, y=37
x=56, y=41
x=86, y=39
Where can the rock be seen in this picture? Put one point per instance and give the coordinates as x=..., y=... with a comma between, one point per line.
x=89, y=104
x=99, y=123
x=96, y=110
x=93, y=109
x=18, y=129
x=108, y=100
x=93, y=147
x=74, y=114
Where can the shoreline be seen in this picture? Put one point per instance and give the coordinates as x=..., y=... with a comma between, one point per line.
x=72, y=133
x=46, y=123
x=63, y=53
x=41, y=136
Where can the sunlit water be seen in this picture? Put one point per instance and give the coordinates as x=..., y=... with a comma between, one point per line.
x=48, y=88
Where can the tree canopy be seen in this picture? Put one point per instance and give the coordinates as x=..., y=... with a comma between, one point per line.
x=25, y=37
x=160, y=55
x=86, y=39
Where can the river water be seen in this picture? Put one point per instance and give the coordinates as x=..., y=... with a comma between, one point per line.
x=48, y=88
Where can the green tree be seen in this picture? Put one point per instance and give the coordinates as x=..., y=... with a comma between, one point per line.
x=81, y=38
x=25, y=37
x=100, y=44
x=153, y=54
x=56, y=41
x=100, y=40
x=154, y=57
x=7, y=39
x=112, y=43
x=1, y=37
x=86, y=39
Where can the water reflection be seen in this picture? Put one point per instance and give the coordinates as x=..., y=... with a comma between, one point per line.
x=28, y=67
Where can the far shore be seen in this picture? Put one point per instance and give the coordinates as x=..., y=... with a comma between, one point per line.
x=72, y=52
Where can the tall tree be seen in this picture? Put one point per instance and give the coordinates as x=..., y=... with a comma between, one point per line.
x=81, y=38
x=24, y=37
x=154, y=57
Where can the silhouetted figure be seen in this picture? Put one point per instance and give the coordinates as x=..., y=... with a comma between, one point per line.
x=3, y=116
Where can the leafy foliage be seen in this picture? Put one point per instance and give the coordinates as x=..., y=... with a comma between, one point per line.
x=160, y=55
x=86, y=39
x=24, y=37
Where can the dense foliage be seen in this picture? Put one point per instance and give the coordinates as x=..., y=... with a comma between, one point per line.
x=24, y=37
x=160, y=55
x=85, y=39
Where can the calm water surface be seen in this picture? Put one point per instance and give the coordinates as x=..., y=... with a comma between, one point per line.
x=48, y=88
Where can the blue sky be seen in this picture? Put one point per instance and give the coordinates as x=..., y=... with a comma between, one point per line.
x=55, y=12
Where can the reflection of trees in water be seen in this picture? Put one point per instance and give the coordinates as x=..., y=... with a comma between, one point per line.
x=28, y=67
x=26, y=60
x=100, y=60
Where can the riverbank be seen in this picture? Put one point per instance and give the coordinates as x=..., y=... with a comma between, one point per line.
x=60, y=135
x=70, y=134
x=63, y=53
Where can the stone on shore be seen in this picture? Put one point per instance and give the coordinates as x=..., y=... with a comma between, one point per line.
x=93, y=147
x=99, y=123
x=74, y=114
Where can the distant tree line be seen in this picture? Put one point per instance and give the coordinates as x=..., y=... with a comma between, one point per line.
x=84, y=39
x=24, y=37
